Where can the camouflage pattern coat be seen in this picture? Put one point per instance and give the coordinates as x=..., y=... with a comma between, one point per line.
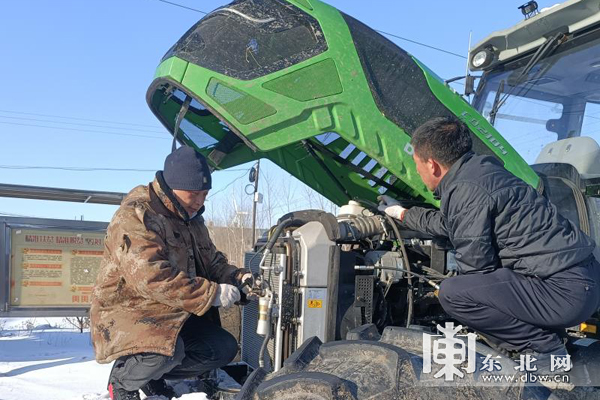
x=150, y=280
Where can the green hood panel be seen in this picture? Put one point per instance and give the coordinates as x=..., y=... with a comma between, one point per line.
x=315, y=91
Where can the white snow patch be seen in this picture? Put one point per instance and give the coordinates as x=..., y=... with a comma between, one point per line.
x=44, y=359
x=194, y=396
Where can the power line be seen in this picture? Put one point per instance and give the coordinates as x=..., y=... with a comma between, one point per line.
x=182, y=6
x=79, y=119
x=377, y=30
x=86, y=130
x=93, y=169
x=230, y=183
x=78, y=124
x=77, y=169
x=421, y=44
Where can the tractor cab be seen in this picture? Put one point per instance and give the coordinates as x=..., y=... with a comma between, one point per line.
x=540, y=88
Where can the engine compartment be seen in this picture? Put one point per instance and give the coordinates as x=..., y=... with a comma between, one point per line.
x=331, y=275
x=336, y=277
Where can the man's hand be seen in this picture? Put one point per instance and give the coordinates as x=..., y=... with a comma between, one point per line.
x=226, y=296
x=391, y=207
x=249, y=278
x=246, y=276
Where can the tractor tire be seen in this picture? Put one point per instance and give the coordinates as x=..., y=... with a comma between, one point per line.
x=385, y=368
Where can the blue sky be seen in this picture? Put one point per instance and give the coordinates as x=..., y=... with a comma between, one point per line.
x=75, y=75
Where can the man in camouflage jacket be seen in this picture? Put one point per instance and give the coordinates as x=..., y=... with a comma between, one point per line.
x=153, y=306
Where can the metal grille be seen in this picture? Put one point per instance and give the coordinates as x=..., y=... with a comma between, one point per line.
x=251, y=341
x=275, y=288
x=364, y=295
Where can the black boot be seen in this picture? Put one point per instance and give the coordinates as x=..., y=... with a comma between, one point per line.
x=159, y=388
x=543, y=363
x=205, y=385
x=122, y=394
x=496, y=344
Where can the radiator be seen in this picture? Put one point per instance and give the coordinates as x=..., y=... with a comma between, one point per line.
x=250, y=341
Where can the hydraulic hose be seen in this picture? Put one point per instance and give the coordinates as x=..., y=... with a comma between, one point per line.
x=271, y=242
x=266, y=248
x=409, y=294
x=282, y=225
x=437, y=274
x=263, y=348
x=429, y=281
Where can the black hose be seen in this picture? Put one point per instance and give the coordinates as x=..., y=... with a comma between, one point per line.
x=434, y=272
x=282, y=225
x=409, y=294
x=271, y=242
x=431, y=282
x=266, y=248
x=263, y=347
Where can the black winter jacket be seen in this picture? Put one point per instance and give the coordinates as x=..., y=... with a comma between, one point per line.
x=494, y=219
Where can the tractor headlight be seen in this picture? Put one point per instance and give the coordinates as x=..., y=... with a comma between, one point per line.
x=482, y=58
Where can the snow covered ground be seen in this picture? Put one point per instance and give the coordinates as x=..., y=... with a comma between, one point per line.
x=44, y=359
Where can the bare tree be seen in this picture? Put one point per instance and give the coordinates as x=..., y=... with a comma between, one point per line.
x=270, y=191
x=309, y=195
x=229, y=218
x=80, y=323
x=317, y=201
x=323, y=203
x=288, y=193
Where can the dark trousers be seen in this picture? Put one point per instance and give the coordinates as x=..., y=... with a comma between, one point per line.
x=201, y=346
x=522, y=312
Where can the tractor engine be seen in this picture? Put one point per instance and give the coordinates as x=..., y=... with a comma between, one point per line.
x=324, y=276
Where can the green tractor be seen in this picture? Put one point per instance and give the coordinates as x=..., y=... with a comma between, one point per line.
x=348, y=301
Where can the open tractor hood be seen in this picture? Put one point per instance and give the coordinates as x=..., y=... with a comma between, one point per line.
x=315, y=91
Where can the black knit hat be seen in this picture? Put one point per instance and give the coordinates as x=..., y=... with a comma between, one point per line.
x=186, y=169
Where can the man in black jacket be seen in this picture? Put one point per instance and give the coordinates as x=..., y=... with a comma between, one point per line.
x=524, y=270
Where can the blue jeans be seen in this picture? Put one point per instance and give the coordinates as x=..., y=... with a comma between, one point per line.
x=522, y=312
x=201, y=346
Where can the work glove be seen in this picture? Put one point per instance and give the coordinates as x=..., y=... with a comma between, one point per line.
x=391, y=207
x=227, y=296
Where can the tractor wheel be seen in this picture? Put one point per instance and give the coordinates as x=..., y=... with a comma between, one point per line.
x=383, y=368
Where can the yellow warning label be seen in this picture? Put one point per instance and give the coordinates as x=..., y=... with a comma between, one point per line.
x=315, y=303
